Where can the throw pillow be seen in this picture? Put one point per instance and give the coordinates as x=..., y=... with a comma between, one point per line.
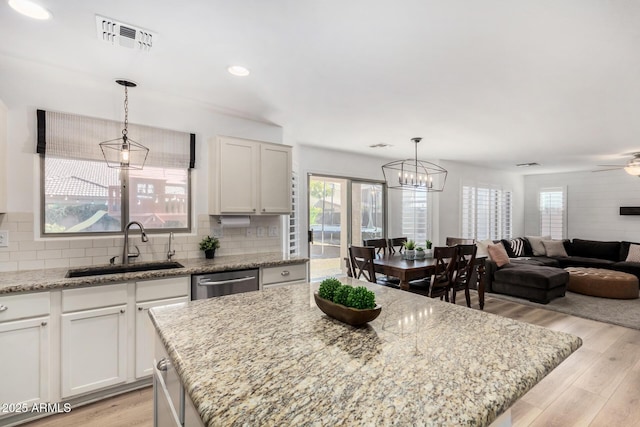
x=536, y=244
x=517, y=247
x=554, y=248
x=498, y=254
x=482, y=248
x=634, y=253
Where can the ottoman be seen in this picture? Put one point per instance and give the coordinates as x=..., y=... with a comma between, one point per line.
x=599, y=282
x=533, y=282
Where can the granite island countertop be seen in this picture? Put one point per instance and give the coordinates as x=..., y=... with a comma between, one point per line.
x=54, y=278
x=273, y=358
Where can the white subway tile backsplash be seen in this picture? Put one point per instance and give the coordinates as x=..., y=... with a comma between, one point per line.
x=56, y=244
x=50, y=254
x=26, y=253
x=30, y=265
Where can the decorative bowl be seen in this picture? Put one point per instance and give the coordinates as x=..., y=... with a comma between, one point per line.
x=349, y=315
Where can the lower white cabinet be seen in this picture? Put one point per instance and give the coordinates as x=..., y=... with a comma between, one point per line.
x=171, y=404
x=25, y=350
x=24, y=356
x=145, y=333
x=93, y=349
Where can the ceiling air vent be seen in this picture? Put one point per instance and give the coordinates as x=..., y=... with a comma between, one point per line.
x=125, y=35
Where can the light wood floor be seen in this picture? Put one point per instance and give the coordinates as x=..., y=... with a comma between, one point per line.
x=598, y=385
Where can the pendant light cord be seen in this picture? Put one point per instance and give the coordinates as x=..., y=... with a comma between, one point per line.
x=126, y=112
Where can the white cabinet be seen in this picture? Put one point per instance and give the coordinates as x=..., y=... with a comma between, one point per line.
x=149, y=294
x=249, y=177
x=93, y=338
x=172, y=406
x=25, y=348
x=283, y=275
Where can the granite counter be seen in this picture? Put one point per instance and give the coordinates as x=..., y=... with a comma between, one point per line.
x=54, y=278
x=273, y=358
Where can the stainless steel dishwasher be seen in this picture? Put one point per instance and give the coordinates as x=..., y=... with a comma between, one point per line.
x=224, y=283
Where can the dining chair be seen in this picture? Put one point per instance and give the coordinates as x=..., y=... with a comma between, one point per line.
x=452, y=241
x=439, y=283
x=397, y=242
x=464, y=266
x=379, y=244
x=361, y=258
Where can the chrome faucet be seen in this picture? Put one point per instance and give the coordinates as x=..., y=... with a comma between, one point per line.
x=170, y=253
x=125, y=249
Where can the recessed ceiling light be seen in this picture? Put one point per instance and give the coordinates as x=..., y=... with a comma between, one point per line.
x=30, y=9
x=527, y=165
x=238, y=70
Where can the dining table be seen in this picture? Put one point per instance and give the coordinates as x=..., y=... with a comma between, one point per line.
x=396, y=265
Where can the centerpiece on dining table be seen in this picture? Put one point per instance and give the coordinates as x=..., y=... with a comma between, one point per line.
x=352, y=305
x=410, y=250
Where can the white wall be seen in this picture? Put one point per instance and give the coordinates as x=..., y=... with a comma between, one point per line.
x=593, y=204
x=449, y=200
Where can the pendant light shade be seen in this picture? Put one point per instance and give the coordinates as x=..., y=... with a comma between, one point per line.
x=414, y=174
x=123, y=152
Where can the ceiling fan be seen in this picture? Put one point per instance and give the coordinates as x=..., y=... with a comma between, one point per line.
x=632, y=167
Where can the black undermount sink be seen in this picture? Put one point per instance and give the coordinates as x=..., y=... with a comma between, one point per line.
x=120, y=268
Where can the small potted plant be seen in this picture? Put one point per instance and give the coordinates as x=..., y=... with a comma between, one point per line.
x=209, y=245
x=354, y=306
x=410, y=249
x=429, y=251
x=420, y=252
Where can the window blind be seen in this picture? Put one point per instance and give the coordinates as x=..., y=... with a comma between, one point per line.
x=552, y=212
x=414, y=216
x=293, y=218
x=73, y=136
x=486, y=212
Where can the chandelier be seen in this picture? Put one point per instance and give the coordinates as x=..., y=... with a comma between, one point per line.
x=124, y=152
x=414, y=174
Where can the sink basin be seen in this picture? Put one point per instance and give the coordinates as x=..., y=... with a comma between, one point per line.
x=120, y=268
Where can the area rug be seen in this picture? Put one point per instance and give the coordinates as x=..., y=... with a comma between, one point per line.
x=616, y=311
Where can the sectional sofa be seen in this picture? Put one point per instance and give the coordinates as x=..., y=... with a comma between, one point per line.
x=537, y=274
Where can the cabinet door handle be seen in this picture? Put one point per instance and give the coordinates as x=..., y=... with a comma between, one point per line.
x=3, y=308
x=163, y=365
x=43, y=324
x=284, y=273
x=122, y=311
x=140, y=308
x=254, y=209
x=263, y=209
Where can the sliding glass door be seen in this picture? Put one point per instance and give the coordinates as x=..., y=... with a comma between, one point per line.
x=341, y=211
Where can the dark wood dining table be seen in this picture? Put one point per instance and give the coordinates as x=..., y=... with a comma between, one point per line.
x=407, y=270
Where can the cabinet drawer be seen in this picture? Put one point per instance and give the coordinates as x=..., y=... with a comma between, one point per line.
x=284, y=273
x=162, y=288
x=24, y=305
x=94, y=297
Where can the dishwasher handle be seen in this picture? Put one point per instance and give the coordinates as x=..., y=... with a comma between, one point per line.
x=206, y=282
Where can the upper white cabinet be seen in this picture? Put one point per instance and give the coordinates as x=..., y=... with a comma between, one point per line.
x=249, y=177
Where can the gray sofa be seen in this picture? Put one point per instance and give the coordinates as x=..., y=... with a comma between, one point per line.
x=542, y=278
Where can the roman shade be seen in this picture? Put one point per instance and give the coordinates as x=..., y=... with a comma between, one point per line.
x=74, y=136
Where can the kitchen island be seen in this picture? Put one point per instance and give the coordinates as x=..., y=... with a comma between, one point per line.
x=273, y=358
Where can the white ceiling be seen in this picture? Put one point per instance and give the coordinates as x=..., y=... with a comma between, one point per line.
x=490, y=82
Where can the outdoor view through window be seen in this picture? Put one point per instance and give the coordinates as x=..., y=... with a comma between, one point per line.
x=83, y=196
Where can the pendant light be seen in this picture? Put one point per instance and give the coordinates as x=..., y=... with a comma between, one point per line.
x=414, y=174
x=124, y=152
